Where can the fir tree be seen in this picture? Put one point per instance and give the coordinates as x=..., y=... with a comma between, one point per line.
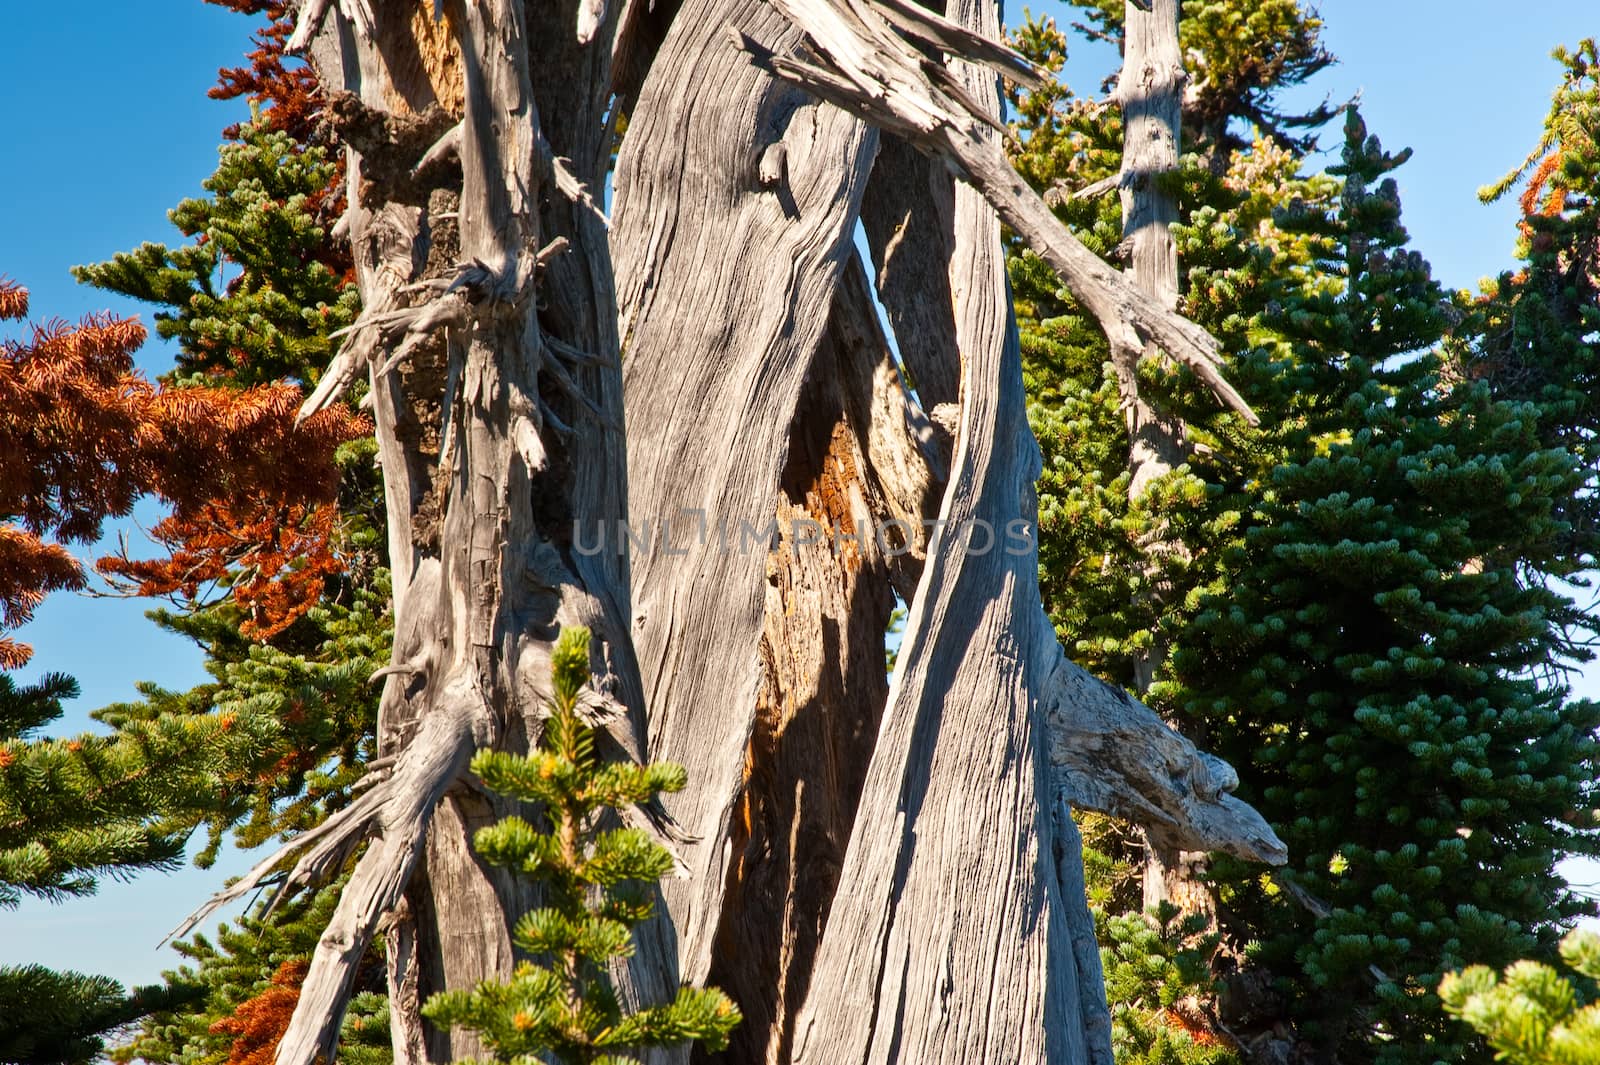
x=1160, y=984
x=74, y=810
x=1373, y=667
x=254, y=295
x=1532, y=1014
x=84, y=436
x=60, y=1018
x=600, y=883
x=245, y=984
x=290, y=604
x=1096, y=572
x=1531, y=335
x=1253, y=270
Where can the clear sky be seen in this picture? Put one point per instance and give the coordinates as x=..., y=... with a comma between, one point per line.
x=105, y=126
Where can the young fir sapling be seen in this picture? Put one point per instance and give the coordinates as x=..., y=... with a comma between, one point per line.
x=599, y=886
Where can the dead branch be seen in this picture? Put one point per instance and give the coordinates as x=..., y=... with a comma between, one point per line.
x=863, y=65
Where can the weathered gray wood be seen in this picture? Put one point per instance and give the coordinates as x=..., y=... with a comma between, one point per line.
x=866, y=66
x=822, y=692
x=859, y=451
x=482, y=577
x=724, y=287
x=736, y=278
x=1150, y=92
x=409, y=1038
x=1110, y=753
x=951, y=941
x=960, y=933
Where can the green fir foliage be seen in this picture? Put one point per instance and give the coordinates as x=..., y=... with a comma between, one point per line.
x=1378, y=668
x=1159, y=982
x=60, y=1018
x=1534, y=334
x=1531, y=1014
x=1362, y=619
x=290, y=723
x=238, y=965
x=284, y=727
x=73, y=810
x=600, y=884
x=256, y=293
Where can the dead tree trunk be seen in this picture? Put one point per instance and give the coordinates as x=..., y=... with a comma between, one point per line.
x=488, y=336
x=859, y=451
x=756, y=388
x=1150, y=90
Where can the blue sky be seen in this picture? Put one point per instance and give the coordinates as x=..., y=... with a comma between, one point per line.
x=106, y=126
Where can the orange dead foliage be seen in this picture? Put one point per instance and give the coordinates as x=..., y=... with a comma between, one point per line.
x=13, y=300
x=257, y=1024
x=1192, y=1026
x=85, y=435
x=289, y=90
x=1539, y=185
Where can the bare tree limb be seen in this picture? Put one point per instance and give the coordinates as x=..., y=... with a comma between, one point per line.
x=1112, y=754
x=865, y=67
x=444, y=745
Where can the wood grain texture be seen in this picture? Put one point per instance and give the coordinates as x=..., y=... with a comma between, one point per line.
x=869, y=58
x=949, y=940
x=492, y=331
x=860, y=458
x=907, y=214
x=484, y=474
x=724, y=287
x=1150, y=92
x=960, y=932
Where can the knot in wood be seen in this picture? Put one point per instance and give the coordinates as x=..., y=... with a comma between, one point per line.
x=774, y=167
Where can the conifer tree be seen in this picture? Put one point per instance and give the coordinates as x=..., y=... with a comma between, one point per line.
x=74, y=810
x=290, y=604
x=1373, y=666
x=1531, y=335
x=60, y=1018
x=1160, y=984
x=84, y=436
x=600, y=883
x=244, y=984
x=1255, y=298
x=254, y=294
x=1532, y=1014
